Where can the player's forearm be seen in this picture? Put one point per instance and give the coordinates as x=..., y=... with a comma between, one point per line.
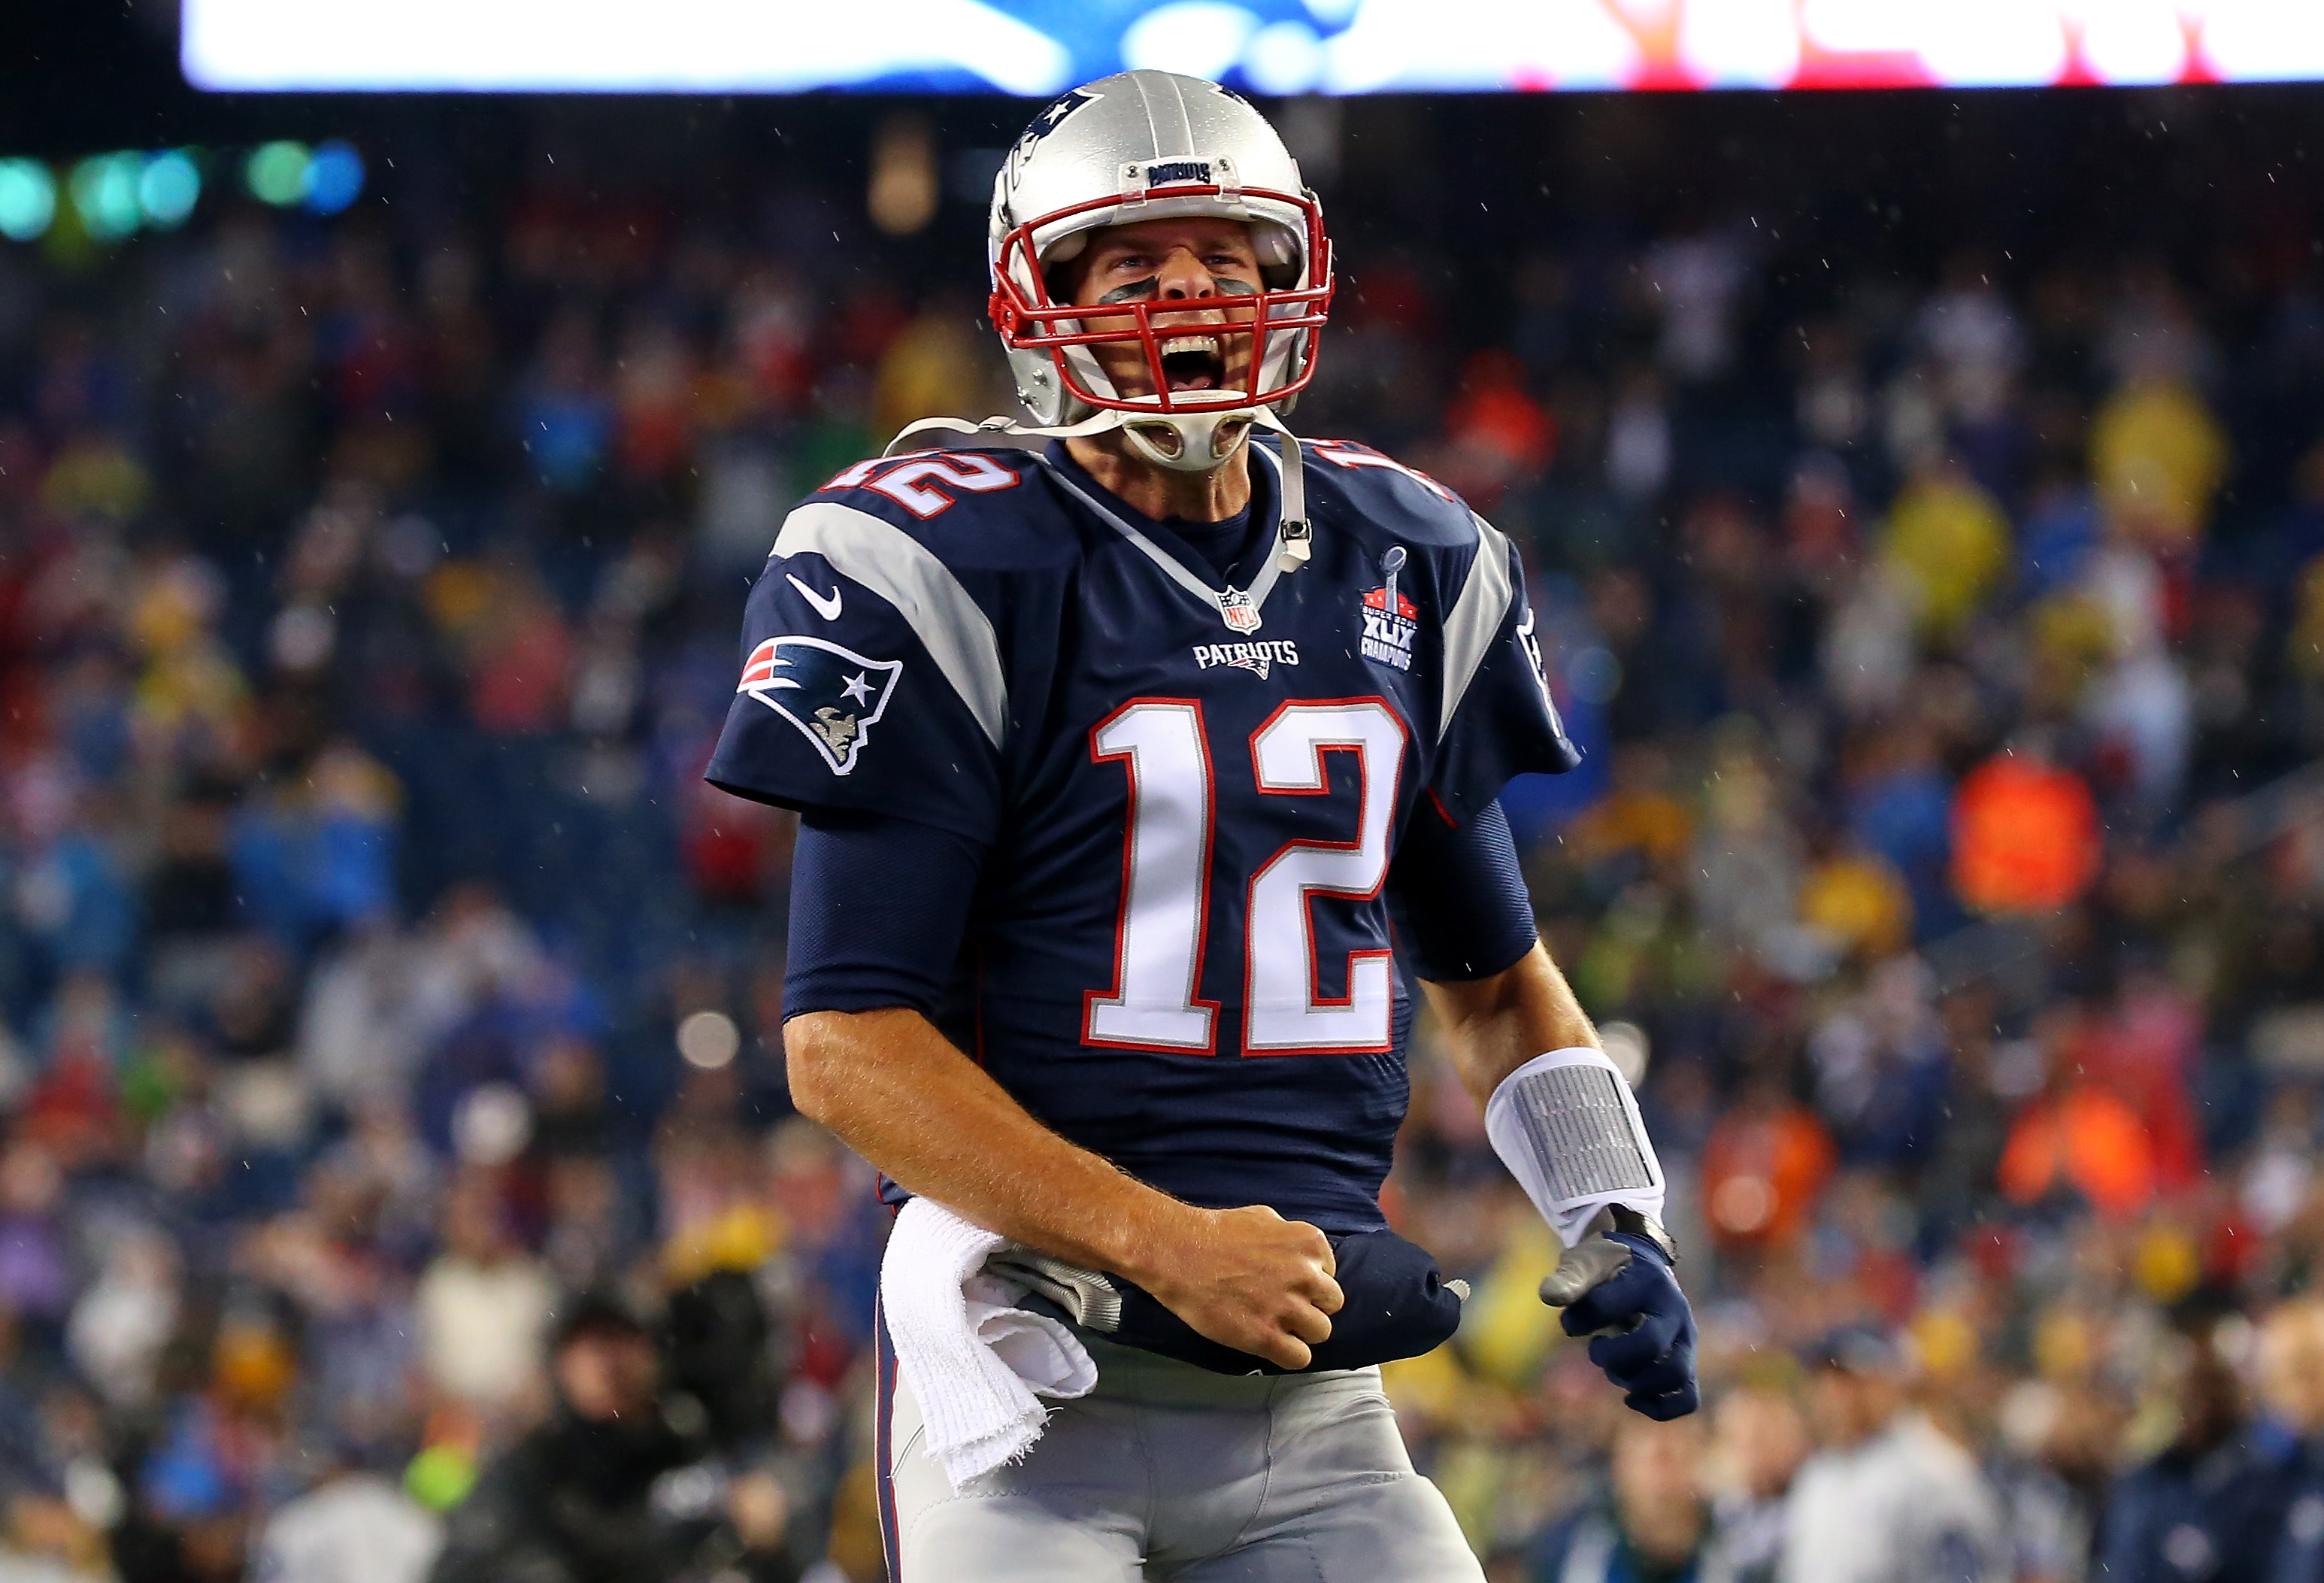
x=1492, y=1026
x=903, y=1098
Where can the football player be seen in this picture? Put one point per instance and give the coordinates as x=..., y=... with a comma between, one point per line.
x=1115, y=760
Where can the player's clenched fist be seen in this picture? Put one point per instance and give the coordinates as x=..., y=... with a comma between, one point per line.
x=1248, y=1279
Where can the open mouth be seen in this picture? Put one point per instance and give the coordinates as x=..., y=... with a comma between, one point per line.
x=1194, y=363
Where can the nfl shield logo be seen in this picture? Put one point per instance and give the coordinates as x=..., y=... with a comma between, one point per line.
x=1237, y=611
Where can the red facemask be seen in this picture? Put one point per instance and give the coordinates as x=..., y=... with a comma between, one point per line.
x=1034, y=321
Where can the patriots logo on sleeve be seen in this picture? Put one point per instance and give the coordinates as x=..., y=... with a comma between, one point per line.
x=833, y=695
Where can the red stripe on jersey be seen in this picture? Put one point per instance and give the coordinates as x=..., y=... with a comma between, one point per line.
x=762, y=667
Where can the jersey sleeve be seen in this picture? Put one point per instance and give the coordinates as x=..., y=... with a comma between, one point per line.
x=878, y=909
x=1465, y=914
x=1497, y=719
x=871, y=681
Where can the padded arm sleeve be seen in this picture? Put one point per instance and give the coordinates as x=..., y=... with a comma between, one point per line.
x=1568, y=1128
x=878, y=907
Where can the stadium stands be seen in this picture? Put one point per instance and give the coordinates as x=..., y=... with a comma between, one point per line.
x=1942, y=622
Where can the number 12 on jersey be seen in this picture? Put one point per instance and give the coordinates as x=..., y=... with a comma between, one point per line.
x=1166, y=882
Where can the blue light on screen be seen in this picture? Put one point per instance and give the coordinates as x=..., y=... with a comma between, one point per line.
x=1040, y=47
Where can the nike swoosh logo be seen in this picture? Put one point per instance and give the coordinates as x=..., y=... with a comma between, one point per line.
x=825, y=604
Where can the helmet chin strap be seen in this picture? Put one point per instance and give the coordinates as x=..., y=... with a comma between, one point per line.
x=1197, y=435
x=1188, y=442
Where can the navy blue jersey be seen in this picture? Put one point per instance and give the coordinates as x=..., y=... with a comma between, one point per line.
x=1189, y=786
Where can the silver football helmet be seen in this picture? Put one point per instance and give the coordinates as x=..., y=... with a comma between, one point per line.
x=1147, y=146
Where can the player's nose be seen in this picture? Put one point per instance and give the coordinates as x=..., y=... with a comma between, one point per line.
x=1183, y=277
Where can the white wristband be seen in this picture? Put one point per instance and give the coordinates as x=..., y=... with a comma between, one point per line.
x=1566, y=1126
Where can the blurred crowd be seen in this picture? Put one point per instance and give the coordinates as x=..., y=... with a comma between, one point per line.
x=397, y=1173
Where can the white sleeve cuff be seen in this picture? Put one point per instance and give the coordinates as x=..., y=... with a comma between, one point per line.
x=1568, y=1128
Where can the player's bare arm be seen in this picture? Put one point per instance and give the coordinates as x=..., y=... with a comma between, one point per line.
x=1494, y=1025
x=908, y=1101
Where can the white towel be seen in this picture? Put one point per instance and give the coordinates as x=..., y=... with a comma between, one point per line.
x=974, y=1362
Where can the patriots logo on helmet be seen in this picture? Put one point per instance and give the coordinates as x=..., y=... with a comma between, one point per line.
x=1054, y=113
x=1052, y=116
x=833, y=695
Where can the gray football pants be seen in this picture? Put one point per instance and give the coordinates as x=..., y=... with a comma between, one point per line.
x=1169, y=1474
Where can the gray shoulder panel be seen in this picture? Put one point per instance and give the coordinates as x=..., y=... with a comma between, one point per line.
x=900, y=569
x=1476, y=617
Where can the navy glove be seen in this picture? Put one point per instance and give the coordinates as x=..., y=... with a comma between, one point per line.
x=1648, y=1344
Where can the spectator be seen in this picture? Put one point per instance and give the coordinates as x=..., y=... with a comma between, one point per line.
x=2024, y=838
x=2292, y=1397
x=2079, y=1143
x=2212, y=1504
x=1887, y=1497
x=1652, y=1529
x=587, y=1498
x=1762, y=1166
x=1759, y=1441
x=1947, y=542
x=483, y=1308
x=353, y=1527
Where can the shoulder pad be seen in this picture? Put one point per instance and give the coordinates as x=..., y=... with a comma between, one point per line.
x=962, y=505
x=926, y=483
x=1382, y=489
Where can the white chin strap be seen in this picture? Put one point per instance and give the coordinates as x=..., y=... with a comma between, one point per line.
x=1184, y=443
x=1189, y=442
